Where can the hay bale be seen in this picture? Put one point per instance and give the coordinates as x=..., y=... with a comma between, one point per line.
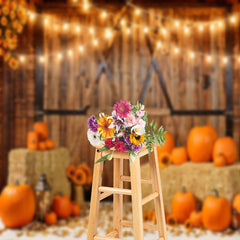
x=26, y=167
x=199, y=178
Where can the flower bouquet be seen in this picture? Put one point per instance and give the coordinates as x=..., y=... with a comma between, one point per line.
x=126, y=130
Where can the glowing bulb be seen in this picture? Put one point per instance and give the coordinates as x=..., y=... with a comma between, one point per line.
x=108, y=33
x=233, y=19
x=65, y=26
x=159, y=44
x=146, y=30
x=80, y=48
x=46, y=21
x=212, y=26
x=41, y=59
x=55, y=27
x=209, y=58
x=138, y=11
x=177, y=23
x=238, y=59
x=176, y=50
x=220, y=24
x=32, y=16
x=95, y=42
x=186, y=30
x=122, y=22
x=192, y=55
x=70, y=53
x=128, y=30
x=78, y=29
x=85, y=6
x=164, y=31
x=201, y=28
x=59, y=56
x=225, y=60
x=91, y=30
x=22, y=58
x=104, y=14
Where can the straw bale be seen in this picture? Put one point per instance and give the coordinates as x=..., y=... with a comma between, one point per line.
x=26, y=167
x=200, y=179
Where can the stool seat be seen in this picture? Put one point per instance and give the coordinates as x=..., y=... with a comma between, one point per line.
x=100, y=192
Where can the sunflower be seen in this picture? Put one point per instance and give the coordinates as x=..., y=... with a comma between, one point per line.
x=104, y=129
x=164, y=159
x=137, y=139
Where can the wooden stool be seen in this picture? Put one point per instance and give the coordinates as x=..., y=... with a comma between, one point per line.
x=100, y=192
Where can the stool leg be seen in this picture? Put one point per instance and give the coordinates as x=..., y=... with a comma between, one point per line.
x=117, y=198
x=136, y=199
x=95, y=200
x=159, y=208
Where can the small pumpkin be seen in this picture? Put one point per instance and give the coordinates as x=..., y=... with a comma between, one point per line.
x=87, y=171
x=183, y=203
x=79, y=177
x=17, y=205
x=42, y=146
x=216, y=212
x=219, y=160
x=179, y=155
x=50, y=144
x=62, y=206
x=41, y=128
x=164, y=159
x=227, y=147
x=32, y=140
x=236, y=202
x=71, y=171
x=172, y=220
x=200, y=143
x=75, y=212
x=235, y=221
x=196, y=218
x=168, y=145
x=50, y=218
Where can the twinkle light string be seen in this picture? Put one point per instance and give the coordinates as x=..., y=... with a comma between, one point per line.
x=126, y=26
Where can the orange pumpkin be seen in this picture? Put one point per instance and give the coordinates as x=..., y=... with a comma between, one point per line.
x=219, y=160
x=71, y=171
x=62, y=206
x=200, y=143
x=41, y=129
x=75, y=211
x=17, y=205
x=236, y=202
x=216, y=213
x=235, y=221
x=164, y=159
x=172, y=220
x=168, y=145
x=183, y=203
x=50, y=144
x=196, y=218
x=179, y=155
x=50, y=218
x=32, y=141
x=42, y=146
x=79, y=177
x=227, y=147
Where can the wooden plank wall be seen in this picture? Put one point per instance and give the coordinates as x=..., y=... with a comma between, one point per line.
x=192, y=84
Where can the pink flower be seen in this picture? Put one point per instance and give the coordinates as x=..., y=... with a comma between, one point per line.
x=130, y=120
x=122, y=108
x=119, y=146
x=141, y=122
x=109, y=143
x=140, y=113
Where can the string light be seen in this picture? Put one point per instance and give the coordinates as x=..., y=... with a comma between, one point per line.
x=70, y=53
x=65, y=26
x=22, y=58
x=232, y=19
x=128, y=30
x=176, y=50
x=238, y=59
x=85, y=6
x=201, y=28
x=192, y=55
x=59, y=56
x=212, y=27
x=209, y=58
x=80, y=48
x=146, y=30
x=159, y=44
x=220, y=24
x=225, y=60
x=137, y=11
x=164, y=31
x=104, y=14
x=95, y=42
x=186, y=30
x=32, y=16
x=122, y=22
x=46, y=21
x=108, y=33
x=41, y=59
x=91, y=30
x=177, y=23
x=78, y=29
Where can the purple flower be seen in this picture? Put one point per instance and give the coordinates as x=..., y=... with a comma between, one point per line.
x=136, y=148
x=126, y=148
x=92, y=124
x=127, y=140
x=122, y=108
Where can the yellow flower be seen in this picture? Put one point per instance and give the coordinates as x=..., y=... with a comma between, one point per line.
x=12, y=43
x=8, y=33
x=12, y=15
x=15, y=24
x=164, y=159
x=13, y=63
x=137, y=139
x=13, y=6
x=5, y=10
x=104, y=129
x=4, y=21
x=19, y=28
x=23, y=19
x=6, y=56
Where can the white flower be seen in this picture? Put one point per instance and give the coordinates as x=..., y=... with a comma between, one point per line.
x=138, y=129
x=94, y=138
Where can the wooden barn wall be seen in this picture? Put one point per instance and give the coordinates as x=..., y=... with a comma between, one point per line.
x=80, y=80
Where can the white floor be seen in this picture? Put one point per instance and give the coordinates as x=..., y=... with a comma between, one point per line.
x=76, y=228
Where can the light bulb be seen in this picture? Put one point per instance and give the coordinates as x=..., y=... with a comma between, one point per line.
x=85, y=6
x=176, y=50
x=220, y=24
x=201, y=28
x=108, y=33
x=59, y=56
x=122, y=22
x=232, y=19
x=225, y=60
x=238, y=59
x=192, y=55
x=137, y=11
x=177, y=23
x=32, y=16
x=65, y=26
x=22, y=58
x=78, y=29
x=128, y=30
x=164, y=31
x=186, y=30
x=104, y=14
x=159, y=44
x=212, y=27
x=70, y=53
x=46, y=21
x=91, y=30
x=95, y=42
x=41, y=59
x=146, y=30
x=209, y=58
x=80, y=48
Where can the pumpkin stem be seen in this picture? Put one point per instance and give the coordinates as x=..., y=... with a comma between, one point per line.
x=216, y=193
x=184, y=189
x=17, y=183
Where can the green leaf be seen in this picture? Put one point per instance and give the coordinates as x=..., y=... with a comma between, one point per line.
x=104, y=148
x=106, y=157
x=132, y=156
